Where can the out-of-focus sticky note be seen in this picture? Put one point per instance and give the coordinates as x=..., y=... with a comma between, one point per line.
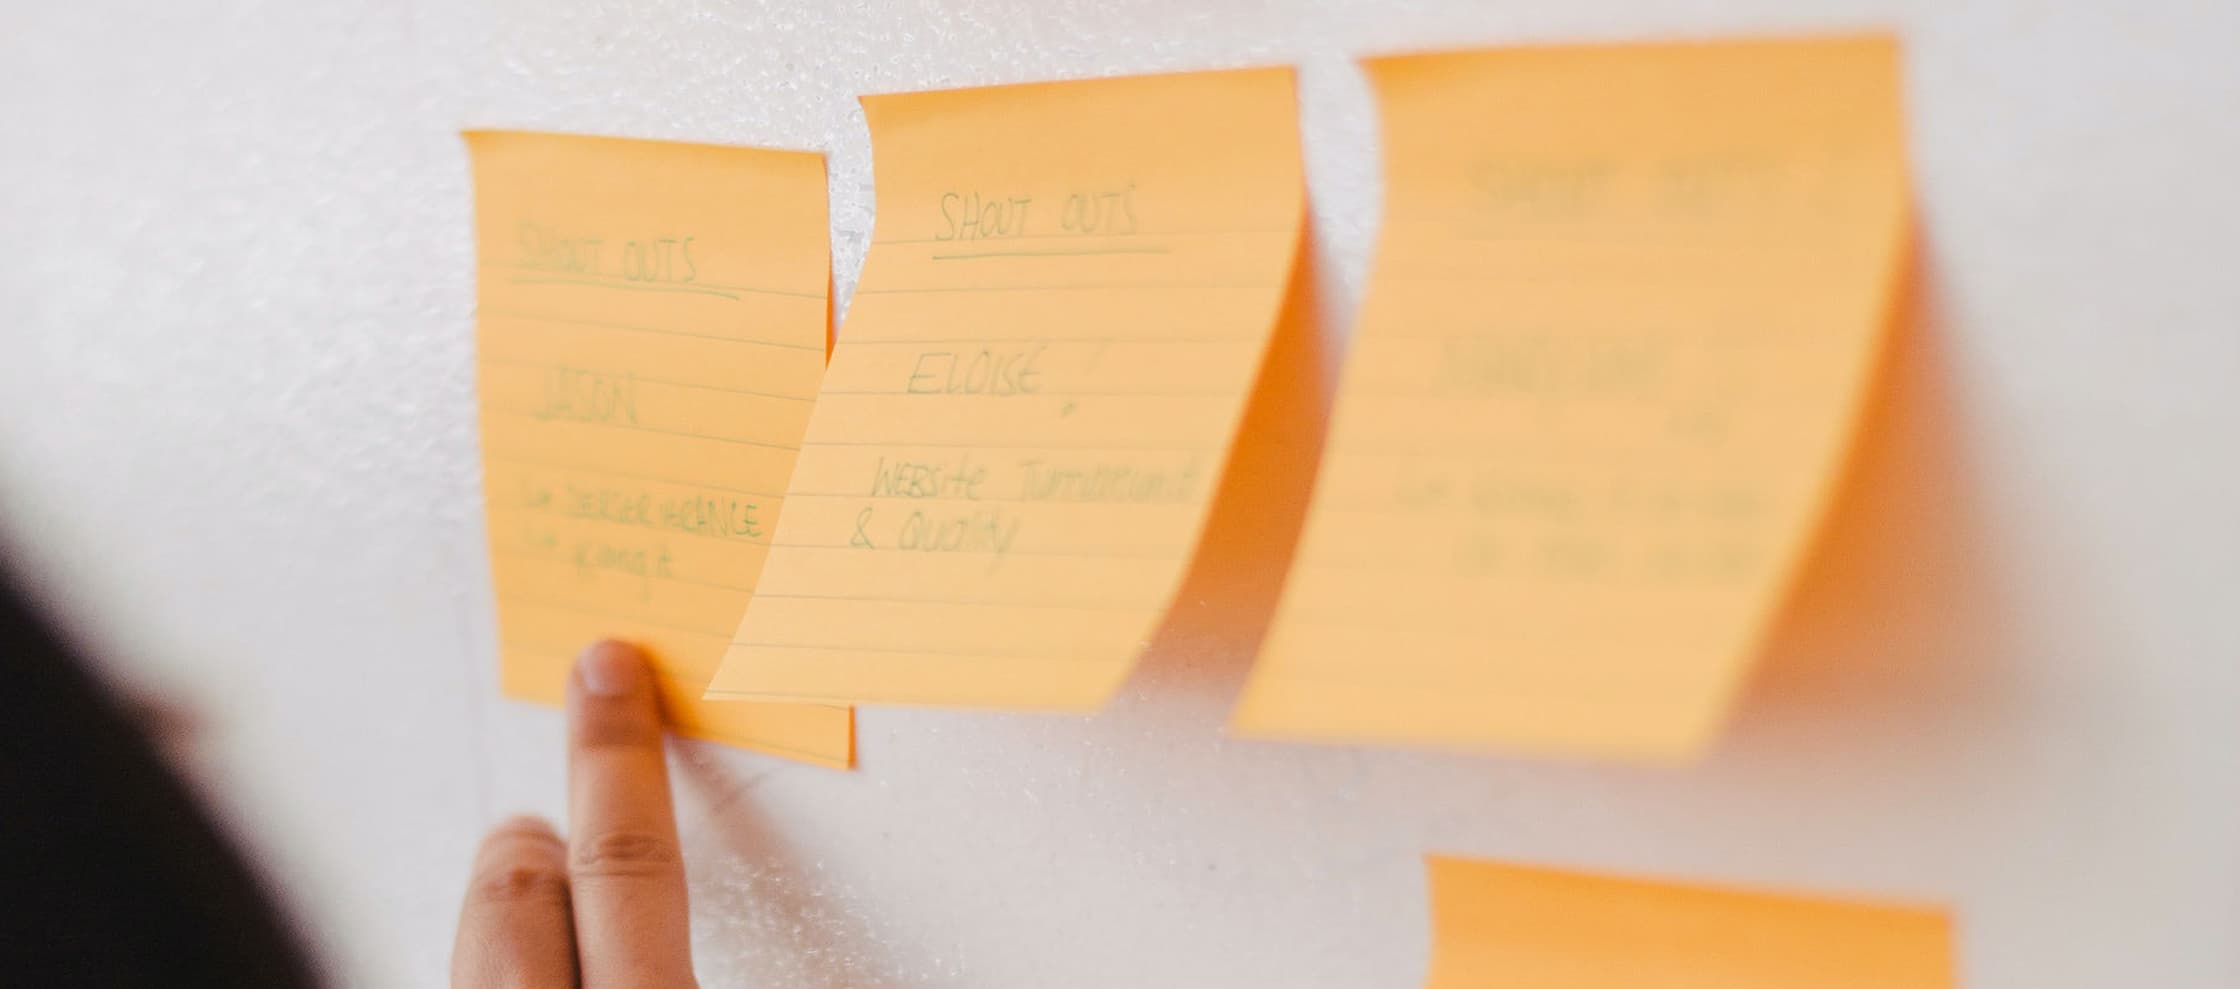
x=651, y=331
x=1623, y=316
x=1061, y=317
x=1515, y=927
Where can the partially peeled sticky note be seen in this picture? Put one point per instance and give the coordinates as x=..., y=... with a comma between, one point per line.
x=1621, y=325
x=1517, y=927
x=651, y=328
x=1063, y=313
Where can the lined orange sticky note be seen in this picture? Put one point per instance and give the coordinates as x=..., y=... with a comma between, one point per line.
x=1623, y=315
x=1527, y=928
x=1061, y=317
x=650, y=335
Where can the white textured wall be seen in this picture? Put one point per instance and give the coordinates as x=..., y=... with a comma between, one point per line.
x=236, y=427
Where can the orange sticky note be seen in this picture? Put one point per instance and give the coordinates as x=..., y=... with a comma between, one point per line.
x=1622, y=318
x=1063, y=311
x=650, y=335
x=1515, y=927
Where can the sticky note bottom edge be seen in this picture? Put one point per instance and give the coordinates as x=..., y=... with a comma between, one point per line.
x=1085, y=688
x=1383, y=714
x=550, y=692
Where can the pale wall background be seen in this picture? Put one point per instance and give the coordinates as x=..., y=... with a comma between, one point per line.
x=236, y=430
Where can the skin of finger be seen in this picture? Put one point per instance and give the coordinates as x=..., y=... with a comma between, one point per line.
x=515, y=928
x=626, y=877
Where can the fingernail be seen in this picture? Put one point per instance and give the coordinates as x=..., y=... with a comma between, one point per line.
x=610, y=669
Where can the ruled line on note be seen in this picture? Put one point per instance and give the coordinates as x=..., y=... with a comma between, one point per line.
x=1404, y=511
x=1416, y=630
x=892, y=650
x=625, y=286
x=642, y=379
x=524, y=553
x=1404, y=565
x=1221, y=232
x=1031, y=394
x=853, y=695
x=735, y=540
x=688, y=434
x=867, y=393
x=509, y=313
x=618, y=281
x=1037, y=447
x=940, y=341
x=1151, y=286
x=956, y=602
x=548, y=465
x=998, y=500
x=1446, y=454
x=589, y=612
x=1052, y=553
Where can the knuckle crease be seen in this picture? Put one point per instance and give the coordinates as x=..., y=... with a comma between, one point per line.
x=626, y=853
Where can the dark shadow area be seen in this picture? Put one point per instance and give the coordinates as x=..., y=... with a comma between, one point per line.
x=1896, y=627
x=1213, y=630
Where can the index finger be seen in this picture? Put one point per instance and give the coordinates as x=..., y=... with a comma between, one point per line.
x=626, y=878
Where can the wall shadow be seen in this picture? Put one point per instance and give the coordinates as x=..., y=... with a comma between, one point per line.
x=1206, y=644
x=1896, y=628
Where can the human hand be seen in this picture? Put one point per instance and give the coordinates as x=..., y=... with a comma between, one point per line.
x=606, y=908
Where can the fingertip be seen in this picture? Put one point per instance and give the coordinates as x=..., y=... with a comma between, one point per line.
x=524, y=826
x=612, y=701
x=514, y=924
x=610, y=668
x=516, y=835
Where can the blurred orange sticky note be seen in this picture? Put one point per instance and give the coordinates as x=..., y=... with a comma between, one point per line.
x=651, y=330
x=1526, y=928
x=1063, y=312
x=1622, y=319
